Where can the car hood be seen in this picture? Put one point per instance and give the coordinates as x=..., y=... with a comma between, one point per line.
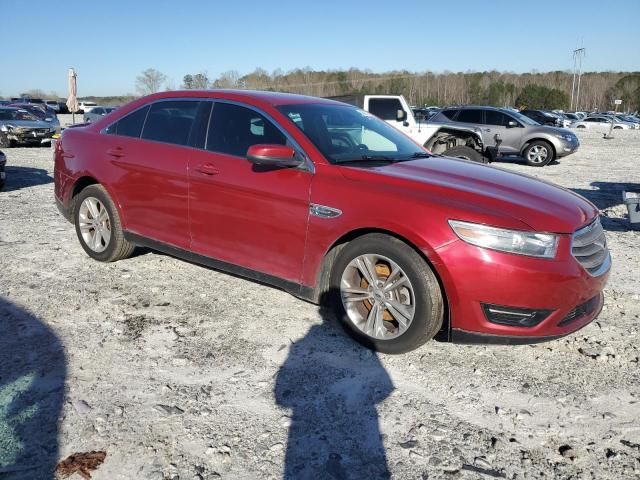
x=490, y=191
x=549, y=130
x=27, y=123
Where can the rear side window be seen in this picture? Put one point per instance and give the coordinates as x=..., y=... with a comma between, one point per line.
x=385, y=108
x=470, y=116
x=491, y=117
x=449, y=113
x=233, y=129
x=170, y=121
x=129, y=126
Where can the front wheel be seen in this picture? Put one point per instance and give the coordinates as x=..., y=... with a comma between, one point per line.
x=385, y=294
x=98, y=226
x=466, y=153
x=538, y=153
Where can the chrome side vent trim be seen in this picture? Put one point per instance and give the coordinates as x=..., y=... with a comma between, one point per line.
x=589, y=247
x=323, y=211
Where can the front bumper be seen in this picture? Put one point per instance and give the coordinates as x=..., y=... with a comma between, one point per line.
x=565, y=147
x=31, y=137
x=473, y=276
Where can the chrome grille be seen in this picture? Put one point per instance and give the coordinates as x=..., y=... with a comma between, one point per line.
x=589, y=247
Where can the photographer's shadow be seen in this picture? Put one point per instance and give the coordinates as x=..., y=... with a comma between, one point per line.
x=32, y=375
x=332, y=386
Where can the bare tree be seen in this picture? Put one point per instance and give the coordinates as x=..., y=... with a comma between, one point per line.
x=150, y=81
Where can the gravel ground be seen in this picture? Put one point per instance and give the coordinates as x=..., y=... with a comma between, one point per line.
x=181, y=372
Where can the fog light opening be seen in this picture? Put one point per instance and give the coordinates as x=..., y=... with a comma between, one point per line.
x=514, y=316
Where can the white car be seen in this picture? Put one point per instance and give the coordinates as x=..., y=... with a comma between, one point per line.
x=600, y=123
x=97, y=113
x=86, y=107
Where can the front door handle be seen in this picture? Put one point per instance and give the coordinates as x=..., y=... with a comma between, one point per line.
x=207, y=169
x=116, y=152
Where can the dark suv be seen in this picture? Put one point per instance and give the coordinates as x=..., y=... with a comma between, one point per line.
x=513, y=133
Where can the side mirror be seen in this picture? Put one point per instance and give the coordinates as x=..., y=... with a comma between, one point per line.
x=273, y=155
x=401, y=115
x=512, y=124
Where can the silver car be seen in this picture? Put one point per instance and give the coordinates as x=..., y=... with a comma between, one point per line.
x=512, y=133
x=18, y=126
x=97, y=113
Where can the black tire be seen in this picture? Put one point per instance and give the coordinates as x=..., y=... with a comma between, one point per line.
x=118, y=247
x=466, y=153
x=617, y=128
x=539, y=144
x=429, y=302
x=581, y=126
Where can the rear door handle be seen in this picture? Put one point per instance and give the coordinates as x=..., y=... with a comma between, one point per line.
x=207, y=169
x=116, y=152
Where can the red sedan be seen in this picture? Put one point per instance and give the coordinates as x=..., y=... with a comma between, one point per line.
x=332, y=204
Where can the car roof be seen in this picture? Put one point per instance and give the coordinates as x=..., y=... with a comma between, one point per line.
x=475, y=107
x=271, y=98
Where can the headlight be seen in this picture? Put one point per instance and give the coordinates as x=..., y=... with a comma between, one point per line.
x=511, y=241
x=565, y=136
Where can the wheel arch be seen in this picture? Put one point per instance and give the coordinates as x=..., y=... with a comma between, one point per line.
x=323, y=275
x=539, y=139
x=85, y=181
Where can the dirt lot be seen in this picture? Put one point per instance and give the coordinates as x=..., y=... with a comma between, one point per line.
x=181, y=372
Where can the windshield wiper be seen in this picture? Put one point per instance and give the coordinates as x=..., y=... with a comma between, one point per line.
x=421, y=155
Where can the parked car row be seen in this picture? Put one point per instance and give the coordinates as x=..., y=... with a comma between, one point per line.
x=331, y=203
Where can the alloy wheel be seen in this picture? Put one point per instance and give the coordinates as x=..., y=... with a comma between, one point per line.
x=95, y=224
x=377, y=296
x=537, y=154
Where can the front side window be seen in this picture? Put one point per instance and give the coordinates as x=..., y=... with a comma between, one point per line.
x=233, y=129
x=385, y=108
x=470, y=116
x=170, y=121
x=348, y=134
x=130, y=125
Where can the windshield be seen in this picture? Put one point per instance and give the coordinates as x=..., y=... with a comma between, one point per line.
x=524, y=118
x=348, y=134
x=16, y=115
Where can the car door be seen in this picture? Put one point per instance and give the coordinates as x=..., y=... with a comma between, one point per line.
x=497, y=123
x=149, y=153
x=240, y=213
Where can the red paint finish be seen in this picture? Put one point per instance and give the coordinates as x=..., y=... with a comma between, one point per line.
x=224, y=207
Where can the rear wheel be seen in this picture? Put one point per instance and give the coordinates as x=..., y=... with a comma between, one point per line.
x=466, y=153
x=98, y=226
x=538, y=153
x=581, y=126
x=385, y=294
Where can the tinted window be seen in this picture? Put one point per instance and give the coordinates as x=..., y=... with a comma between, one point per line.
x=449, y=113
x=233, y=129
x=97, y=110
x=470, y=116
x=129, y=126
x=170, y=121
x=385, y=108
x=491, y=117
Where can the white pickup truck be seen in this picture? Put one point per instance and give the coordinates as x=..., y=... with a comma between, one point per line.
x=460, y=142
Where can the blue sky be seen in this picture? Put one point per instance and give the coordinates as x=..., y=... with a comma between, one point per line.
x=110, y=42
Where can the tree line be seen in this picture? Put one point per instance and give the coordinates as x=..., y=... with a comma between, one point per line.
x=547, y=90
x=534, y=90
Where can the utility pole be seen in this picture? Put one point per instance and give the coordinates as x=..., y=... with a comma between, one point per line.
x=578, y=55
